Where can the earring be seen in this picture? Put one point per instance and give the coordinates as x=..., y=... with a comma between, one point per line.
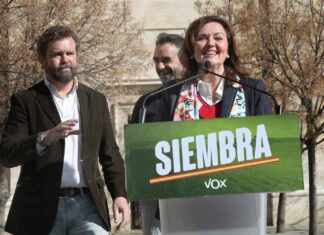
x=227, y=56
x=191, y=57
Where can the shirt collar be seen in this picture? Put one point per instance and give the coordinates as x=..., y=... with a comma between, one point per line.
x=206, y=94
x=53, y=89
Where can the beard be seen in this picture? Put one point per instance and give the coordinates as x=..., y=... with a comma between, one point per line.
x=60, y=74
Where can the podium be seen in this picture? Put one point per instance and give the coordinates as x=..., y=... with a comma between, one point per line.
x=214, y=215
x=211, y=175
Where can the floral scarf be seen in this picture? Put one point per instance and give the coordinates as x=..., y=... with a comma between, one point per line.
x=188, y=104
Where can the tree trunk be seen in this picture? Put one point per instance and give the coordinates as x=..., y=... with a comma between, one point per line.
x=4, y=194
x=281, y=213
x=312, y=187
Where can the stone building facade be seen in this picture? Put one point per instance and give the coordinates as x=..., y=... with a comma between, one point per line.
x=173, y=16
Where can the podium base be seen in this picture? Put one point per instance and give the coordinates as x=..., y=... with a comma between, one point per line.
x=214, y=215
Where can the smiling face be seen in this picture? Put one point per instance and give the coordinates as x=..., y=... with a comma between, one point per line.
x=210, y=43
x=60, y=63
x=166, y=61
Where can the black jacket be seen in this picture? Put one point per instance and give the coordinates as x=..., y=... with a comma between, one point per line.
x=161, y=107
x=35, y=201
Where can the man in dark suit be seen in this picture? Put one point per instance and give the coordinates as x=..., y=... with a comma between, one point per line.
x=168, y=68
x=57, y=131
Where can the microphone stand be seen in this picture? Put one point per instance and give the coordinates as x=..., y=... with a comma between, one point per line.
x=143, y=114
x=204, y=67
x=278, y=108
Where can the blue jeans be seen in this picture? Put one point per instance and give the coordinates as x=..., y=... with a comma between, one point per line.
x=78, y=216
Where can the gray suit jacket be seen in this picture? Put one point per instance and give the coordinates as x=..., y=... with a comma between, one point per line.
x=35, y=201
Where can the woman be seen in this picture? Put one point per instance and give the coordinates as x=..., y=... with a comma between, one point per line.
x=212, y=39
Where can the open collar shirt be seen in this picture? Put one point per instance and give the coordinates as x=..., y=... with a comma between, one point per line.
x=69, y=108
x=206, y=94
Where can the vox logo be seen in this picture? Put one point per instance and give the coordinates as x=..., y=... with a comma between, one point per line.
x=215, y=183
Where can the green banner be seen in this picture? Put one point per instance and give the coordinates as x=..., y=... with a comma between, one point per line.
x=216, y=156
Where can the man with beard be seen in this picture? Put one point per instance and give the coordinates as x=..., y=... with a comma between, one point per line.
x=57, y=131
x=168, y=68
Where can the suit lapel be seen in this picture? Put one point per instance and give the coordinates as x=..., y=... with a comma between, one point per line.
x=227, y=101
x=84, y=103
x=45, y=99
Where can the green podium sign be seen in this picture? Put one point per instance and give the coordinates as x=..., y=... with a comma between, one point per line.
x=217, y=156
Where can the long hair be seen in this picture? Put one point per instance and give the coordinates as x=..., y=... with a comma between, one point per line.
x=231, y=64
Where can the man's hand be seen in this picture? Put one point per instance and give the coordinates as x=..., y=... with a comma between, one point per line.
x=61, y=131
x=120, y=205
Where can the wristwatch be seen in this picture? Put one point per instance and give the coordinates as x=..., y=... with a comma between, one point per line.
x=40, y=140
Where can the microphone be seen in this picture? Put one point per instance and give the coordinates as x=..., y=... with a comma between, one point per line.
x=205, y=65
x=143, y=114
